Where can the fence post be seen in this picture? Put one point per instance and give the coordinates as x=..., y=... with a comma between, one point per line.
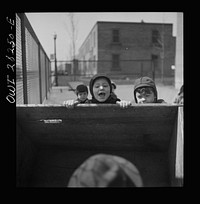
x=24, y=65
x=49, y=76
x=46, y=76
x=40, y=79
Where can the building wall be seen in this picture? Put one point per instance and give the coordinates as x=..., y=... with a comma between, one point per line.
x=135, y=48
x=179, y=52
x=88, y=54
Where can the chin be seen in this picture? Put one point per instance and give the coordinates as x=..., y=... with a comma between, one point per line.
x=101, y=100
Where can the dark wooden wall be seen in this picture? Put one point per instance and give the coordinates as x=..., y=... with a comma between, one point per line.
x=63, y=138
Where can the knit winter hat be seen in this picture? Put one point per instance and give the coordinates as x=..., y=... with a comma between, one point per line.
x=145, y=82
x=94, y=78
x=103, y=170
x=81, y=88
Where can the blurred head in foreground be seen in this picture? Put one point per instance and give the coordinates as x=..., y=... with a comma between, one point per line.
x=103, y=170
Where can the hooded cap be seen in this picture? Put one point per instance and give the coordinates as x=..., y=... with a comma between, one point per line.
x=81, y=88
x=104, y=170
x=110, y=98
x=144, y=82
x=113, y=83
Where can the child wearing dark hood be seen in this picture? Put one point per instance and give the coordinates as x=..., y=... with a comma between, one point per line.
x=82, y=96
x=145, y=91
x=101, y=91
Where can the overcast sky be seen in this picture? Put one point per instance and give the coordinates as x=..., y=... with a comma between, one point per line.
x=47, y=24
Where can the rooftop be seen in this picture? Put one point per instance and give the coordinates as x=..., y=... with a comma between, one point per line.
x=141, y=22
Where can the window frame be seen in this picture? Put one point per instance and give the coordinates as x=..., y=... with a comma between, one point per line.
x=156, y=38
x=115, y=36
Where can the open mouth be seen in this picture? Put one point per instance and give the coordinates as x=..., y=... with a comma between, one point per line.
x=101, y=94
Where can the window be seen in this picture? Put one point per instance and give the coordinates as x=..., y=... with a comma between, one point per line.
x=156, y=38
x=115, y=33
x=115, y=62
x=155, y=35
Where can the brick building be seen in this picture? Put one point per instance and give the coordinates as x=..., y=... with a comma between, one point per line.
x=123, y=48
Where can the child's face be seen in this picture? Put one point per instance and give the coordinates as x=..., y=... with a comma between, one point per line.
x=101, y=89
x=82, y=96
x=145, y=95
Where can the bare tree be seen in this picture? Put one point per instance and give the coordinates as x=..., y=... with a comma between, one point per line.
x=72, y=31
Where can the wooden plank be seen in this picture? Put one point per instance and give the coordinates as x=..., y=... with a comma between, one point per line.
x=137, y=112
x=179, y=148
x=100, y=134
x=176, y=151
x=140, y=127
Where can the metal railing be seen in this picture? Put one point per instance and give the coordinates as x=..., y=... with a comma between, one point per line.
x=76, y=70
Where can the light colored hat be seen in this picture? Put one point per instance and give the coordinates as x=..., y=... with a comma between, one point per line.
x=103, y=170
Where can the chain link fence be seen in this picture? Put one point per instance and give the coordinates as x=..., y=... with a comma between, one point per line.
x=33, y=67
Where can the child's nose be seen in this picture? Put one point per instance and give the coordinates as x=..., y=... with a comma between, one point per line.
x=101, y=87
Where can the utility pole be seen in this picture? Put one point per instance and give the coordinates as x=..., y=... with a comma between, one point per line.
x=56, y=75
